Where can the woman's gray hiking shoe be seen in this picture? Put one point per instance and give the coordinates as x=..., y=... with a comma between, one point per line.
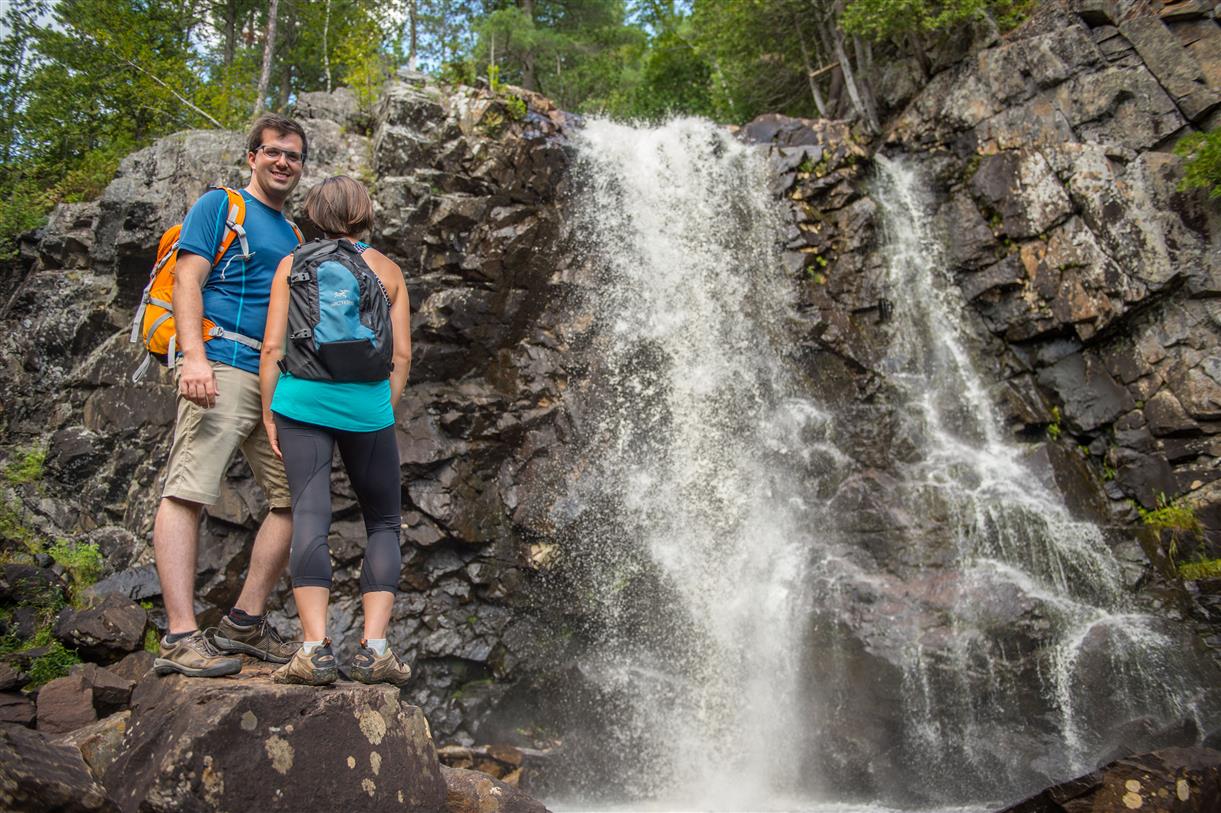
x=368, y=667
x=318, y=668
x=194, y=656
x=259, y=640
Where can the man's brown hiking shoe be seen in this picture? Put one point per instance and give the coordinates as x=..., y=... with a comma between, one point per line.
x=193, y=656
x=318, y=668
x=259, y=640
x=368, y=667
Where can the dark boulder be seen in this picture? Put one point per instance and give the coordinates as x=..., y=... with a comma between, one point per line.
x=38, y=776
x=99, y=742
x=196, y=745
x=17, y=709
x=27, y=584
x=105, y=631
x=65, y=704
x=111, y=691
x=475, y=792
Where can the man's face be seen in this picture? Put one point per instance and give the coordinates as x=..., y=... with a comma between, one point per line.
x=277, y=176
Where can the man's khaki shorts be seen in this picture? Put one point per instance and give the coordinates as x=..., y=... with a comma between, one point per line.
x=206, y=439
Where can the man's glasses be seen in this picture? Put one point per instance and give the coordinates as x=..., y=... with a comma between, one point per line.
x=275, y=154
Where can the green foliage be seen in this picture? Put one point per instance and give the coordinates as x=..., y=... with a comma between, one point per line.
x=1202, y=169
x=82, y=561
x=674, y=79
x=1172, y=516
x=1173, y=519
x=14, y=528
x=515, y=108
x=23, y=210
x=55, y=663
x=152, y=641
x=893, y=19
x=1054, y=429
x=754, y=52
x=458, y=72
x=25, y=467
x=1205, y=569
x=492, y=123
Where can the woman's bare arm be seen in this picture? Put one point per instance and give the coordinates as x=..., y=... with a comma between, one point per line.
x=273, y=345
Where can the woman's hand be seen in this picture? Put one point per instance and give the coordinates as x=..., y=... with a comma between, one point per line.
x=273, y=437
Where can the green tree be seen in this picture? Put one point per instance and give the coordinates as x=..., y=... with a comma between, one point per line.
x=1202, y=170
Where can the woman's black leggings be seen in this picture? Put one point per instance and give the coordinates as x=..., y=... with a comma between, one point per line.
x=372, y=462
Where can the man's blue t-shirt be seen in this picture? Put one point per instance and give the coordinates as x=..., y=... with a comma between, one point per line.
x=237, y=291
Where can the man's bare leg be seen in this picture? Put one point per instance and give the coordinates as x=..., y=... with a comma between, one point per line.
x=175, y=545
x=268, y=558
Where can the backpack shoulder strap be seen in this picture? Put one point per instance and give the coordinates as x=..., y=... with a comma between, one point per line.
x=234, y=218
x=296, y=231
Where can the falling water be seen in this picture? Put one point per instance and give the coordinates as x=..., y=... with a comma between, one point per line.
x=703, y=440
x=1009, y=534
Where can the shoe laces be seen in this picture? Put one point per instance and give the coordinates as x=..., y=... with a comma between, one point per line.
x=265, y=628
x=203, y=644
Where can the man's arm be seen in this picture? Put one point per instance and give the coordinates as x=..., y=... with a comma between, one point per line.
x=196, y=382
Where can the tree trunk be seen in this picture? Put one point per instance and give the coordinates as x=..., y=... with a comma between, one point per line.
x=529, y=73
x=413, y=34
x=866, y=77
x=269, y=49
x=854, y=93
x=286, y=67
x=230, y=32
x=326, y=48
x=809, y=68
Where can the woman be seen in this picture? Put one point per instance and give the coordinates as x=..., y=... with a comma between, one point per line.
x=305, y=419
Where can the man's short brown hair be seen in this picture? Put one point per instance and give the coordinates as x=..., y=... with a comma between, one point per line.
x=340, y=205
x=282, y=125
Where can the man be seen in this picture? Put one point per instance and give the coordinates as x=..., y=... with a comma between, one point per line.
x=220, y=410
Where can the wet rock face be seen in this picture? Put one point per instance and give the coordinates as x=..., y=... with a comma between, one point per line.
x=220, y=744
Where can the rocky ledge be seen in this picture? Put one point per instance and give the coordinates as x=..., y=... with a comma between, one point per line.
x=1184, y=780
x=245, y=742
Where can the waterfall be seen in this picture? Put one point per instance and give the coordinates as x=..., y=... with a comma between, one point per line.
x=744, y=645
x=1008, y=533
x=703, y=440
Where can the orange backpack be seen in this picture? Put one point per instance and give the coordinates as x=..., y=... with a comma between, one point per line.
x=153, y=325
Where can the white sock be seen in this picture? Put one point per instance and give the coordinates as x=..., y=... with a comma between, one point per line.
x=378, y=645
x=308, y=647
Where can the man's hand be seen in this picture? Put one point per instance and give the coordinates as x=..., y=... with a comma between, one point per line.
x=197, y=382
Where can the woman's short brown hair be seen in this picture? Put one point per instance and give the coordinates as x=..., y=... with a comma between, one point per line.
x=340, y=205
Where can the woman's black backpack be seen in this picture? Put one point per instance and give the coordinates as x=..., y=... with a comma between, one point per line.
x=338, y=316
